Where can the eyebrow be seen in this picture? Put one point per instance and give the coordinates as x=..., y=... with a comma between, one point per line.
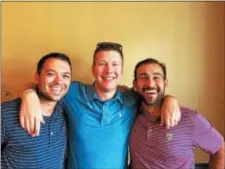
x=155, y=73
x=51, y=70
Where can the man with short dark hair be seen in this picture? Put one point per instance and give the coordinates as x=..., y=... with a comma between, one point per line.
x=99, y=115
x=20, y=150
x=154, y=147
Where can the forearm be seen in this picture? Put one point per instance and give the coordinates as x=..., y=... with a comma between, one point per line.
x=31, y=112
x=217, y=160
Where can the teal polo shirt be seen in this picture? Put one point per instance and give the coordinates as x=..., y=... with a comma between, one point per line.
x=98, y=130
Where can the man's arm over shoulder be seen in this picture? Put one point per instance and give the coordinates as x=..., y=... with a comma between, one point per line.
x=31, y=113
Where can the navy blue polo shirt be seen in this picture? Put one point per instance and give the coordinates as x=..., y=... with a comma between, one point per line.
x=98, y=130
x=20, y=150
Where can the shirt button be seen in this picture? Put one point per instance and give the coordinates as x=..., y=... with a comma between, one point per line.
x=120, y=114
x=51, y=133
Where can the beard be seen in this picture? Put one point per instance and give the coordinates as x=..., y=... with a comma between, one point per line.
x=44, y=96
x=153, y=102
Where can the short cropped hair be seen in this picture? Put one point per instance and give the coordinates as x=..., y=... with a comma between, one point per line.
x=107, y=46
x=53, y=55
x=150, y=61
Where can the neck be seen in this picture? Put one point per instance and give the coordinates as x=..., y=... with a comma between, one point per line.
x=48, y=107
x=154, y=110
x=104, y=95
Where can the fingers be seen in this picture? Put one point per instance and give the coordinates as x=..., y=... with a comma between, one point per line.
x=167, y=121
x=31, y=126
x=175, y=122
x=173, y=119
x=22, y=121
x=177, y=118
x=27, y=126
x=170, y=119
x=179, y=115
x=172, y=122
x=162, y=121
x=37, y=125
x=42, y=120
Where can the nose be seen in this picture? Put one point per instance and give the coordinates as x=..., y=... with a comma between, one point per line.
x=58, y=79
x=150, y=82
x=109, y=68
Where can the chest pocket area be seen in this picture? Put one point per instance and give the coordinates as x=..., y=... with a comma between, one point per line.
x=106, y=114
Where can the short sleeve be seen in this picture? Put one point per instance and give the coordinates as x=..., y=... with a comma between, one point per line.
x=206, y=137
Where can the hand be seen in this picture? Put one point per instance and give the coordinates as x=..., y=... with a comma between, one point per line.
x=170, y=112
x=31, y=113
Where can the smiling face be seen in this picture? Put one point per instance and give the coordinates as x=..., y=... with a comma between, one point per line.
x=150, y=83
x=107, y=70
x=54, y=79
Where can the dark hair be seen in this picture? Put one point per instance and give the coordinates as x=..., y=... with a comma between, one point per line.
x=150, y=61
x=107, y=46
x=54, y=55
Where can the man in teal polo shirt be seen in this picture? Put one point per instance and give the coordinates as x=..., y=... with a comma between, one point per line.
x=100, y=117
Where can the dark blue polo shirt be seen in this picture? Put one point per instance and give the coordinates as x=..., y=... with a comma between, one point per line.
x=98, y=130
x=19, y=150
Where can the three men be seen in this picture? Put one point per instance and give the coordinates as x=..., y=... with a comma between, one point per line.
x=100, y=116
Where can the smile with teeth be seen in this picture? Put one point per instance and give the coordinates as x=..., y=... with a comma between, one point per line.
x=56, y=90
x=150, y=92
x=108, y=78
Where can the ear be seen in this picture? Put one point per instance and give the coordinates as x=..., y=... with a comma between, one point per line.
x=36, y=78
x=92, y=69
x=122, y=69
x=135, y=85
x=166, y=83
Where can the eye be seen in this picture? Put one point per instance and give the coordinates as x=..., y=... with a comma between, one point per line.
x=101, y=63
x=50, y=74
x=115, y=64
x=66, y=76
x=143, y=77
x=157, y=77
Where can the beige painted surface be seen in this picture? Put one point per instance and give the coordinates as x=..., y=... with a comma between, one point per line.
x=187, y=36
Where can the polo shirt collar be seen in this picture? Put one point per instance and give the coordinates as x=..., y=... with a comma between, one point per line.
x=92, y=95
x=58, y=109
x=55, y=115
x=148, y=114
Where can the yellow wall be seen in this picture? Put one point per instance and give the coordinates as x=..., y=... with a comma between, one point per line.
x=187, y=36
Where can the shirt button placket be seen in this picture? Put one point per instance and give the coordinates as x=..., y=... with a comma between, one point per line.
x=51, y=129
x=104, y=114
x=149, y=133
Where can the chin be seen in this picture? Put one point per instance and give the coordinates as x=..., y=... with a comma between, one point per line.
x=152, y=102
x=56, y=98
x=110, y=89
